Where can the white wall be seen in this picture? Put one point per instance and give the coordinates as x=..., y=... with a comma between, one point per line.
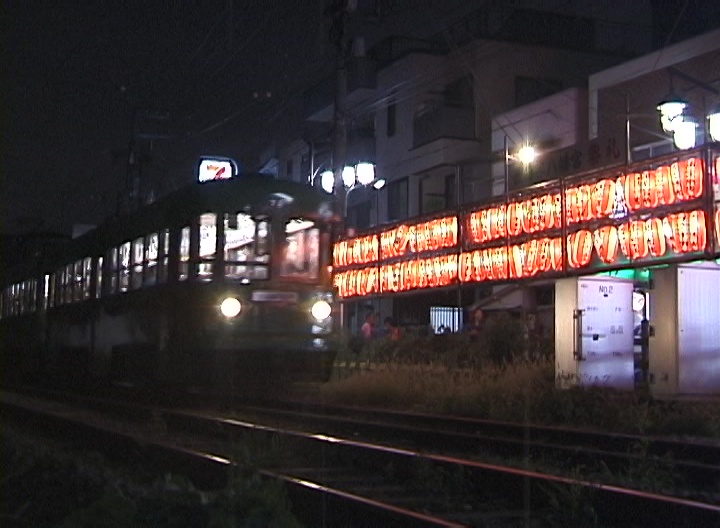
x=698, y=331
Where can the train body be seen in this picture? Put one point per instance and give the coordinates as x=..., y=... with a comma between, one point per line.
x=218, y=285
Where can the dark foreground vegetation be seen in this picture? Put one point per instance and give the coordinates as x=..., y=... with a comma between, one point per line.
x=47, y=484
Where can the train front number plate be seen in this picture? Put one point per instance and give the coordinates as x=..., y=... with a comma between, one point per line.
x=275, y=296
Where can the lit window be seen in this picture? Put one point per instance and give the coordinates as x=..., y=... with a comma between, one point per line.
x=138, y=248
x=99, y=276
x=163, y=252
x=245, y=247
x=113, y=270
x=124, y=258
x=208, y=245
x=183, y=265
x=301, y=254
x=87, y=277
x=152, y=258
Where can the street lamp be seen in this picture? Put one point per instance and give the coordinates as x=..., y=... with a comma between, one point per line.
x=675, y=120
x=525, y=155
x=671, y=113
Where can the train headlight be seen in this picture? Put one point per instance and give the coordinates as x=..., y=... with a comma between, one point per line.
x=230, y=307
x=321, y=310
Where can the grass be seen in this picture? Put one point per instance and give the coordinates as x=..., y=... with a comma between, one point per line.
x=449, y=374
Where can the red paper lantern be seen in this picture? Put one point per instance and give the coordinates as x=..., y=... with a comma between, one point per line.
x=514, y=219
x=606, y=243
x=648, y=190
x=638, y=244
x=691, y=178
x=655, y=237
x=602, y=198
x=663, y=186
x=516, y=262
x=580, y=245
x=633, y=191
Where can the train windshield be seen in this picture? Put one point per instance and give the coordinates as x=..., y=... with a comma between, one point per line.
x=247, y=247
x=300, y=251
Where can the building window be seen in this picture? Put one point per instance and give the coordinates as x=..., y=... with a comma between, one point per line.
x=398, y=200
x=437, y=193
x=459, y=93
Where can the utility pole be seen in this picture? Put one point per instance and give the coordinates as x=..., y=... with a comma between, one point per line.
x=337, y=11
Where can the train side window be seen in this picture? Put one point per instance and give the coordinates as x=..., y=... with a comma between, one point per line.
x=51, y=292
x=184, y=260
x=138, y=256
x=21, y=297
x=33, y=295
x=208, y=245
x=57, y=288
x=68, y=283
x=113, y=270
x=86, y=277
x=163, y=255
x=151, y=257
x=78, y=281
x=99, y=277
x=47, y=292
x=124, y=258
x=16, y=299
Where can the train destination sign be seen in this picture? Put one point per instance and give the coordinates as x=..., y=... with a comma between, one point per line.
x=638, y=217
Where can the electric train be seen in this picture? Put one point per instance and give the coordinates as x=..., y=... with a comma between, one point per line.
x=219, y=285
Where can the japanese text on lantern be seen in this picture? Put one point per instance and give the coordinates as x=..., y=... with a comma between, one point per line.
x=400, y=276
x=655, y=237
x=402, y=240
x=425, y=236
x=361, y=250
x=608, y=198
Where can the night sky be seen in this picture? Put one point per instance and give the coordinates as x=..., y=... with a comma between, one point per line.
x=74, y=73
x=194, y=74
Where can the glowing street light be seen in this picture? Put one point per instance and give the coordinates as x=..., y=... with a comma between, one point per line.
x=348, y=176
x=671, y=113
x=365, y=172
x=327, y=181
x=527, y=154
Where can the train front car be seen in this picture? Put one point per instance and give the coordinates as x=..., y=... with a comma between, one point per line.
x=254, y=305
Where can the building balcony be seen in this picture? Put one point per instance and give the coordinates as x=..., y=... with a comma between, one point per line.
x=443, y=122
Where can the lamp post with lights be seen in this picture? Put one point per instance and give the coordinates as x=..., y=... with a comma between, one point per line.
x=360, y=176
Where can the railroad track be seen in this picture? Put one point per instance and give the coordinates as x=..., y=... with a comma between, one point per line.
x=694, y=464
x=355, y=481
